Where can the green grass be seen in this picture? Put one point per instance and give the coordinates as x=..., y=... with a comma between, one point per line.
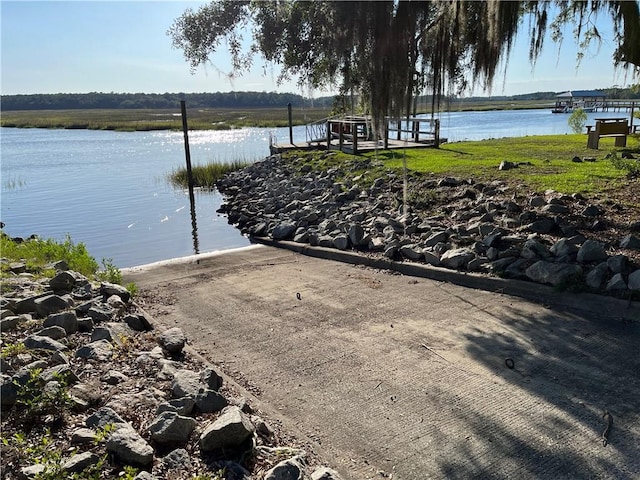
x=549, y=157
x=205, y=176
x=37, y=253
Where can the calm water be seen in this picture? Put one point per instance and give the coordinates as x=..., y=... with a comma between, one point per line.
x=109, y=189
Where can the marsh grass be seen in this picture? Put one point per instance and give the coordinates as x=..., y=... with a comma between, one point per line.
x=159, y=119
x=205, y=176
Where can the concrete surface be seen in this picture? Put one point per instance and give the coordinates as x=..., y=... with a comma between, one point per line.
x=404, y=377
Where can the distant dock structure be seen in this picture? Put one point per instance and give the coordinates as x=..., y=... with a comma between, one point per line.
x=355, y=134
x=591, y=101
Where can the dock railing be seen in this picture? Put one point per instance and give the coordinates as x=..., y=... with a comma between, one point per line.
x=417, y=129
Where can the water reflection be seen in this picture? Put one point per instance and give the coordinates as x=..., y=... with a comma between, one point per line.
x=194, y=223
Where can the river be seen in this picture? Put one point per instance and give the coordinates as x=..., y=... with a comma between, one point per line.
x=109, y=190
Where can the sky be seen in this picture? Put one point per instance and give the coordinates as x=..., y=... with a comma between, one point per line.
x=122, y=46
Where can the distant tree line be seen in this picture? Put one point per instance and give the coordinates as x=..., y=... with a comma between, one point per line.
x=73, y=101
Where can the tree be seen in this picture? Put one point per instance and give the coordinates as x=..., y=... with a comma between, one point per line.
x=388, y=51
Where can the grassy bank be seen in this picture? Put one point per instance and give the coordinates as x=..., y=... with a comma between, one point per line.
x=205, y=176
x=157, y=119
x=545, y=162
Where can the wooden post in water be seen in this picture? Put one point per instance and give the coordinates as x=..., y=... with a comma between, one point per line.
x=633, y=105
x=290, y=123
x=192, y=199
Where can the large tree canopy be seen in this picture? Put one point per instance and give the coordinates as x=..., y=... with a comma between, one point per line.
x=389, y=50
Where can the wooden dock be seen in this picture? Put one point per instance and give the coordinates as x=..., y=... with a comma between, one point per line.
x=353, y=135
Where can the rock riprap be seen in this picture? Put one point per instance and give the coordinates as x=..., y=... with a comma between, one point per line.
x=492, y=228
x=97, y=388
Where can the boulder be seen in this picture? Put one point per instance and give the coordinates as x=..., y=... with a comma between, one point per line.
x=291, y=469
x=100, y=350
x=49, y=304
x=596, y=277
x=592, y=251
x=634, y=280
x=36, y=342
x=553, y=273
x=457, y=258
x=108, y=289
x=67, y=320
x=230, y=430
x=616, y=283
x=173, y=340
x=630, y=241
x=171, y=428
x=79, y=462
x=129, y=447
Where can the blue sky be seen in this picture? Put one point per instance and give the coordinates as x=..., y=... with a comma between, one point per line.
x=122, y=46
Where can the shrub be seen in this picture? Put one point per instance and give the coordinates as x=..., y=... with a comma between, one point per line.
x=577, y=120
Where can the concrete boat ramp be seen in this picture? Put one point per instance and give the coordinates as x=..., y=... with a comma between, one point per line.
x=389, y=375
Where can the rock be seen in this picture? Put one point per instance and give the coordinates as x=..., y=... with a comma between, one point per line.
x=591, y=251
x=555, y=208
x=209, y=401
x=563, y=247
x=324, y=473
x=114, y=377
x=66, y=281
x=79, y=462
x=537, y=201
x=129, y=447
x=83, y=436
x=283, y=231
x=596, y=277
x=171, y=428
x=542, y=225
x=617, y=263
x=54, y=332
x=634, y=280
x=115, y=302
x=356, y=234
x=616, y=283
x=138, y=322
x=436, y=238
x=431, y=258
x=49, y=304
x=553, y=273
x=230, y=430
x=341, y=242
x=592, y=211
x=103, y=417
x=506, y=165
x=181, y=406
x=10, y=323
x=533, y=249
x=211, y=379
x=100, y=312
x=8, y=392
x=173, y=340
x=100, y=350
x=178, y=459
x=457, y=258
x=411, y=252
x=108, y=289
x=186, y=383
x=36, y=342
x=33, y=471
x=291, y=469
x=630, y=242
x=66, y=320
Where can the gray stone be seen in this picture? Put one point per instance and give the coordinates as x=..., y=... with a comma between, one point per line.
x=36, y=342
x=181, y=406
x=493, y=238
x=138, y=322
x=100, y=350
x=54, y=332
x=85, y=324
x=291, y=469
x=592, y=211
x=114, y=377
x=186, y=383
x=592, y=251
x=100, y=312
x=411, y=252
x=83, y=436
x=79, y=462
x=49, y=304
x=229, y=430
x=103, y=417
x=115, y=302
x=108, y=289
x=435, y=238
x=634, y=280
x=8, y=392
x=325, y=473
x=542, y=225
x=341, y=242
x=10, y=323
x=555, y=208
x=59, y=371
x=506, y=165
x=431, y=258
x=630, y=242
x=537, y=201
x=129, y=447
x=173, y=340
x=457, y=258
x=553, y=273
x=617, y=263
x=33, y=471
x=533, y=249
x=66, y=281
x=596, y=277
x=564, y=247
x=178, y=459
x=356, y=234
x=66, y=320
x=283, y=231
x=616, y=283
x=171, y=428
x=209, y=401
x=210, y=378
